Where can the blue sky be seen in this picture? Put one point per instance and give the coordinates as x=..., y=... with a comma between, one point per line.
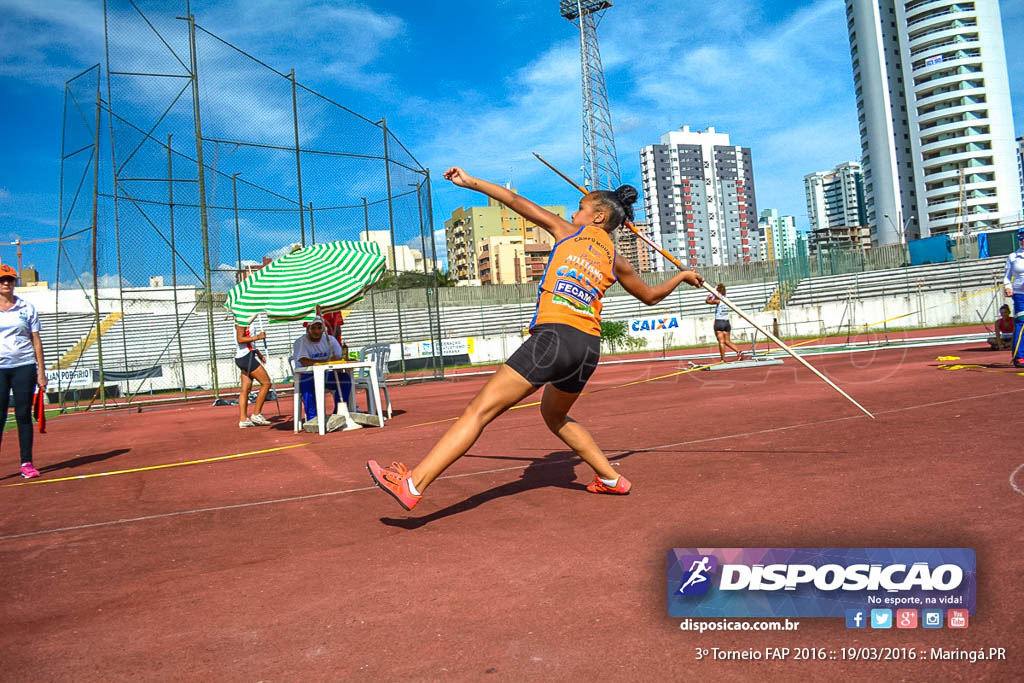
x=484, y=84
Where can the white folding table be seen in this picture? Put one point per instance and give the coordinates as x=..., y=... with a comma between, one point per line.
x=319, y=371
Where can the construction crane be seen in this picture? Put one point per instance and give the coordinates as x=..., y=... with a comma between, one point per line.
x=18, y=242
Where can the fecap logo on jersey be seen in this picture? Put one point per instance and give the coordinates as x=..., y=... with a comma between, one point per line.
x=816, y=581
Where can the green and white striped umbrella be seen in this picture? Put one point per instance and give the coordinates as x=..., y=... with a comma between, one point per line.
x=332, y=275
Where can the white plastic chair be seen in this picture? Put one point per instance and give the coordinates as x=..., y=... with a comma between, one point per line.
x=379, y=354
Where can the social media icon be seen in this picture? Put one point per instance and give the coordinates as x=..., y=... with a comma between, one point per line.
x=881, y=618
x=856, y=618
x=957, y=618
x=906, y=618
x=931, y=618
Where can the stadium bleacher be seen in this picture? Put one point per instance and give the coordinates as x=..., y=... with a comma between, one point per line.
x=141, y=340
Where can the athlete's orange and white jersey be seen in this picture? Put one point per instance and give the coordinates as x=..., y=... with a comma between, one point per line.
x=579, y=270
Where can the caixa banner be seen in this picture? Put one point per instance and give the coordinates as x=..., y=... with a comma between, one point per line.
x=816, y=582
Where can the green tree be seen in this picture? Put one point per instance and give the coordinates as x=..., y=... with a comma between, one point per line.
x=616, y=335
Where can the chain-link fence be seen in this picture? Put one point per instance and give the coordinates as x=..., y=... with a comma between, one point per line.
x=191, y=164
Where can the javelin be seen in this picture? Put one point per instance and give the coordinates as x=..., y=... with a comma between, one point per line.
x=721, y=297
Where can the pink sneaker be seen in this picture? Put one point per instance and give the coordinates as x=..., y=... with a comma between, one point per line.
x=395, y=481
x=28, y=470
x=621, y=488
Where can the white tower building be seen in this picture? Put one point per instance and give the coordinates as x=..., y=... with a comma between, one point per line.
x=699, y=198
x=933, y=102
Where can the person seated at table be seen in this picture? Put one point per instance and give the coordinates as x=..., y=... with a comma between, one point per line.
x=333, y=322
x=1003, y=329
x=316, y=347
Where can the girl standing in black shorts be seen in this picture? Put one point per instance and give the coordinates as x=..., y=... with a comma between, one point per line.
x=723, y=328
x=248, y=358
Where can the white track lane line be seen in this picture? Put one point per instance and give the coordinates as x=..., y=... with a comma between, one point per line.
x=292, y=499
x=1013, y=482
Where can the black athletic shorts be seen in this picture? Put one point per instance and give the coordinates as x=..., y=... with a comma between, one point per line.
x=248, y=362
x=723, y=326
x=557, y=354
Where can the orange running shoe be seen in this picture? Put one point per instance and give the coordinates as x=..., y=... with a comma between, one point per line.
x=395, y=481
x=621, y=488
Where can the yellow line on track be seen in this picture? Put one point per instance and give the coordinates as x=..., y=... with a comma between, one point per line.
x=159, y=467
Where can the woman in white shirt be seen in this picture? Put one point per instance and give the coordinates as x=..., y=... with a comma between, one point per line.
x=723, y=328
x=21, y=363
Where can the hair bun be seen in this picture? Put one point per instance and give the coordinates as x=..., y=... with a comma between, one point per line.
x=626, y=194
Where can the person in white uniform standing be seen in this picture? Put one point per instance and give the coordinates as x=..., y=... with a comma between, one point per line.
x=21, y=364
x=723, y=328
x=1013, y=281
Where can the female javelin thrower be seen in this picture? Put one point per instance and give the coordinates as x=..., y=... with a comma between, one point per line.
x=565, y=342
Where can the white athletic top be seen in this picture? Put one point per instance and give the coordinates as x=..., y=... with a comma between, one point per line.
x=1015, y=271
x=325, y=349
x=721, y=311
x=243, y=349
x=16, y=328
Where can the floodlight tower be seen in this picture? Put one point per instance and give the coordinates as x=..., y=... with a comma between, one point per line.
x=600, y=162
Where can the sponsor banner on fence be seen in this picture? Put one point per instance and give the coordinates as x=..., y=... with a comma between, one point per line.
x=817, y=582
x=654, y=324
x=449, y=347
x=72, y=377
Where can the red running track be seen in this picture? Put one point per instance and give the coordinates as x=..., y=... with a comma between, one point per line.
x=289, y=565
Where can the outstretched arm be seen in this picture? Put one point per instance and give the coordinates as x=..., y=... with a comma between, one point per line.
x=556, y=225
x=635, y=285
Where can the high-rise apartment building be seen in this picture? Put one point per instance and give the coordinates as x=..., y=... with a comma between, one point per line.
x=933, y=102
x=836, y=206
x=777, y=235
x=469, y=225
x=699, y=198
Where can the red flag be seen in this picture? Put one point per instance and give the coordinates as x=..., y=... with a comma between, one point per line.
x=39, y=411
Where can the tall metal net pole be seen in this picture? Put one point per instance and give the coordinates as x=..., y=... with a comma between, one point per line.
x=373, y=302
x=426, y=275
x=433, y=256
x=174, y=264
x=95, y=239
x=203, y=223
x=60, y=245
x=298, y=161
x=117, y=223
x=394, y=259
